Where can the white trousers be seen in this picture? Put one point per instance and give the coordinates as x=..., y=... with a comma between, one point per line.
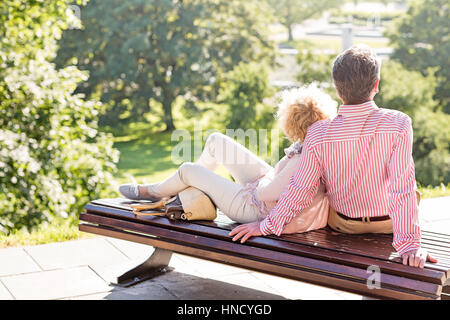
x=243, y=165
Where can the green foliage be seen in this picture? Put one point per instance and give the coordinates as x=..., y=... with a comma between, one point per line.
x=315, y=67
x=243, y=89
x=290, y=12
x=412, y=93
x=140, y=51
x=420, y=41
x=52, y=158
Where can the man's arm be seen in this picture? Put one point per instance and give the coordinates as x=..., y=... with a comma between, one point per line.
x=403, y=206
x=297, y=195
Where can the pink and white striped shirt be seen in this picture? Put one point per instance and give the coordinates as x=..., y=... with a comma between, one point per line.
x=363, y=156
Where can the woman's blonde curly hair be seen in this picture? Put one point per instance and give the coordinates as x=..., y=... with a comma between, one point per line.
x=300, y=108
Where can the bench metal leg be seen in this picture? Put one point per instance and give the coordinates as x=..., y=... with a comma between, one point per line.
x=154, y=266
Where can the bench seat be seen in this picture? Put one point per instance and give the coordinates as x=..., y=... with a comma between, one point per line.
x=321, y=257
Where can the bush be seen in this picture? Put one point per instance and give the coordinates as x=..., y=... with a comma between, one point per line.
x=52, y=158
x=316, y=68
x=243, y=91
x=431, y=131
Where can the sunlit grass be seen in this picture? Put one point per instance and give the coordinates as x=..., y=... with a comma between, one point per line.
x=56, y=231
x=333, y=43
x=434, y=192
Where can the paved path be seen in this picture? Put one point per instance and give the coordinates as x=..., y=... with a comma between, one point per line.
x=83, y=269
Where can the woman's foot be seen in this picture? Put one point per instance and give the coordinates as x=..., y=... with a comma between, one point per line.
x=136, y=192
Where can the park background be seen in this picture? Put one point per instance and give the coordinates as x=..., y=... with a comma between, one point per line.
x=91, y=91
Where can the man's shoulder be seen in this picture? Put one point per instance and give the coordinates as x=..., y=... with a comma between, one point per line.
x=316, y=132
x=394, y=119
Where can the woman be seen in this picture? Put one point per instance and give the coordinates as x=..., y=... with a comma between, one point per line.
x=257, y=186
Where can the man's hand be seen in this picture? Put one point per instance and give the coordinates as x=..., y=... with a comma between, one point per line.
x=417, y=258
x=245, y=231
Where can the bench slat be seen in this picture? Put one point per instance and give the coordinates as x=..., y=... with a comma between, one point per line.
x=435, y=235
x=318, y=252
x=434, y=277
x=258, y=259
x=375, y=245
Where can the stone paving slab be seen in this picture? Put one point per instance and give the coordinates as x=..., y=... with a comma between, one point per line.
x=93, y=251
x=156, y=292
x=435, y=209
x=434, y=214
x=110, y=272
x=190, y=287
x=4, y=293
x=207, y=270
x=15, y=261
x=297, y=290
x=133, y=250
x=55, y=284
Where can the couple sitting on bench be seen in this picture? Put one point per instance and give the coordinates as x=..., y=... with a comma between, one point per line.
x=352, y=170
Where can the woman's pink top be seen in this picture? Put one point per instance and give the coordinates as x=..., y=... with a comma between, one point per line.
x=265, y=191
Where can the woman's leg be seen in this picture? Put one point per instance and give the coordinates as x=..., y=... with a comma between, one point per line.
x=243, y=165
x=224, y=193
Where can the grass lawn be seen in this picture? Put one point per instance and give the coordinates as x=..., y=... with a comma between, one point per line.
x=56, y=231
x=314, y=42
x=145, y=159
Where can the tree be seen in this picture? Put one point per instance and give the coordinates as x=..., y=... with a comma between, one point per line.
x=315, y=67
x=243, y=89
x=52, y=158
x=140, y=51
x=420, y=42
x=290, y=12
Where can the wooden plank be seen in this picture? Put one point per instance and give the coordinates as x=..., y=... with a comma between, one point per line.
x=124, y=204
x=275, y=244
x=373, y=246
x=437, y=245
x=255, y=252
x=327, y=280
x=432, y=234
x=189, y=227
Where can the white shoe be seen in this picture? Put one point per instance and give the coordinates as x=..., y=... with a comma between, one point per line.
x=131, y=191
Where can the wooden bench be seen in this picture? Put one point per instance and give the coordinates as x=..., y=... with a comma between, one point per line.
x=322, y=257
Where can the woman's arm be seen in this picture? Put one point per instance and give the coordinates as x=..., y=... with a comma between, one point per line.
x=272, y=185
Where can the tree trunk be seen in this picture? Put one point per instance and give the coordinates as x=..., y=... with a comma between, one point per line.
x=167, y=107
x=291, y=37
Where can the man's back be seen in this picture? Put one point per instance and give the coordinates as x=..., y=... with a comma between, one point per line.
x=355, y=149
x=364, y=158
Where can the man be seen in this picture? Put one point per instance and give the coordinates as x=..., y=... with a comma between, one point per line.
x=364, y=158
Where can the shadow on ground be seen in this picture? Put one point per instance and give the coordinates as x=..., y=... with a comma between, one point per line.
x=181, y=286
